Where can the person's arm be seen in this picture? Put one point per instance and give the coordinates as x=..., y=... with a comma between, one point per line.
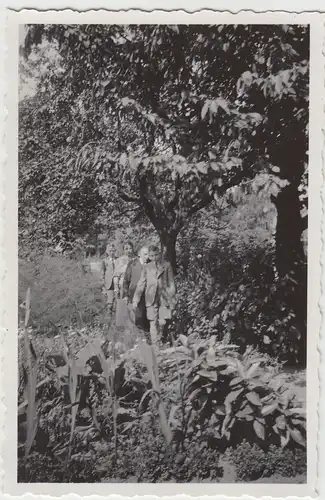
x=127, y=280
x=116, y=277
x=103, y=273
x=141, y=286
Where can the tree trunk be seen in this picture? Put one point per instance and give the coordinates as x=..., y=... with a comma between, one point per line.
x=289, y=228
x=290, y=255
x=168, y=248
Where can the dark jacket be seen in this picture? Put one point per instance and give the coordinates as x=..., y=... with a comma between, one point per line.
x=108, y=273
x=157, y=282
x=132, y=275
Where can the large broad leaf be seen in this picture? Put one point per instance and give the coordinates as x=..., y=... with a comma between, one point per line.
x=254, y=398
x=211, y=356
x=298, y=421
x=27, y=306
x=228, y=370
x=246, y=410
x=281, y=422
x=232, y=396
x=235, y=381
x=251, y=371
x=193, y=395
x=247, y=78
x=269, y=409
x=223, y=104
x=297, y=411
x=227, y=423
x=205, y=109
x=220, y=410
x=284, y=439
x=297, y=436
x=145, y=395
x=183, y=339
x=210, y=375
x=172, y=413
x=259, y=429
x=275, y=428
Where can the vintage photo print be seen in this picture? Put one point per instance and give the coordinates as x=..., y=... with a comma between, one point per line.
x=163, y=194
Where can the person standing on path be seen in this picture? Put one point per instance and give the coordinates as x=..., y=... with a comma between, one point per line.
x=121, y=264
x=107, y=281
x=131, y=278
x=158, y=285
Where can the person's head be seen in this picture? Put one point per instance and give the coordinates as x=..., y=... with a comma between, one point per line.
x=143, y=254
x=128, y=248
x=109, y=251
x=154, y=253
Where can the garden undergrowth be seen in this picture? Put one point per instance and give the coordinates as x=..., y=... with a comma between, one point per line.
x=89, y=397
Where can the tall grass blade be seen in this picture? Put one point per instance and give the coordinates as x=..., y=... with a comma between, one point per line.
x=150, y=360
x=27, y=307
x=32, y=421
x=108, y=367
x=74, y=398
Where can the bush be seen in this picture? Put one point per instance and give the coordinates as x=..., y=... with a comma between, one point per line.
x=252, y=463
x=240, y=296
x=63, y=292
x=229, y=395
x=209, y=397
x=42, y=468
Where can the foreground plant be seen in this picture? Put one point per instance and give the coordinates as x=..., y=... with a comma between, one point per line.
x=74, y=391
x=150, y=360
x=231, y=395
x=31, y=385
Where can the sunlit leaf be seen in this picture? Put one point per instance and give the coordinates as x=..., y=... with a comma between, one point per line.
x=284, y=439
x=205, y=109
x=232, y=396
x=297, y=436
x=235, y=381
x=208, y=374
x=250, y=372
x=268, y=409
x=259, y=429
x=281, y=422
x=254, y=398
x=247, y=78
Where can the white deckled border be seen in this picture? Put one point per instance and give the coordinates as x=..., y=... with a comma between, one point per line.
x=9, y=351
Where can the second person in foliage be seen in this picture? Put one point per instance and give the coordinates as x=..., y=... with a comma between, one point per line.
x=158, y=287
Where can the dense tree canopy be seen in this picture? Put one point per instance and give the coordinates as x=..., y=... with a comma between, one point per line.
x=248, y=84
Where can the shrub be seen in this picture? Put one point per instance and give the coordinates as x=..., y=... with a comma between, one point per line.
x=211, y=394
x=229, y=395
x=42, y=468
x=63, y=293
x=252, y=463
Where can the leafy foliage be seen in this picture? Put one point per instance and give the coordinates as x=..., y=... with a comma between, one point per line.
x=64, y=293
x=211, y=404
x=140, y=105
x=235, y=393
x=252, y=462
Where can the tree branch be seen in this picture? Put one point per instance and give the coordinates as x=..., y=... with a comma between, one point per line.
x=128, y=198
x=174, y=201
x=202, y=203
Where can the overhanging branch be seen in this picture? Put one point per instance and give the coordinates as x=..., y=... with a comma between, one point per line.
x=174, y=201
x=202, y=203
x=129, y=198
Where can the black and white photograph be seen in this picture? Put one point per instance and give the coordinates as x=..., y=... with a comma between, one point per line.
x=163, y=174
